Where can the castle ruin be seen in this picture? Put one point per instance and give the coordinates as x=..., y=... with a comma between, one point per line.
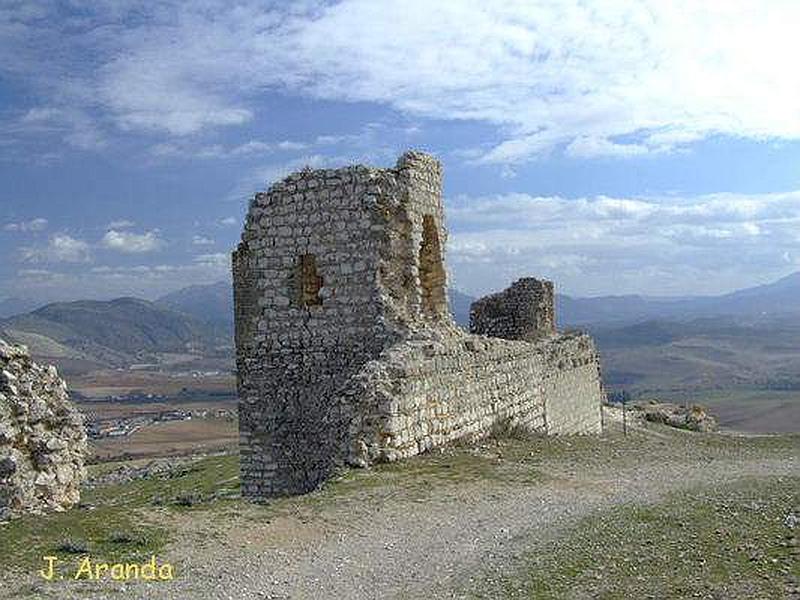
x=42, y=437
x=346, y=351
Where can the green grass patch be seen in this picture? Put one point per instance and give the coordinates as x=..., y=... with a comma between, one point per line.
x=731, y=542
x=420, y=476
x=78, y=532
x=115, y=523
x=130, y=521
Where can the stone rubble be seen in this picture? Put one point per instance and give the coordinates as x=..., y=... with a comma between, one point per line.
x=42, y=437
x=347, y=352
x=694, y=418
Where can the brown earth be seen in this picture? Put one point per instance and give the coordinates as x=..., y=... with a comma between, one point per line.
x=465, y=522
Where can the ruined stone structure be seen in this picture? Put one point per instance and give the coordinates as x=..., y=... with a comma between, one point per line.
x=346, y=350
x=42, y=437
x=525, y=311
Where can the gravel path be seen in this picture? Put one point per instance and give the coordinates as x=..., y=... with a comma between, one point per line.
x=387, y=543
x=434, y=548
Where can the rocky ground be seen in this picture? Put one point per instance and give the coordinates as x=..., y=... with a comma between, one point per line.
x=659, y=513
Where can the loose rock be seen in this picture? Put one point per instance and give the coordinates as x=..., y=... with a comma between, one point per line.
x=42, y=437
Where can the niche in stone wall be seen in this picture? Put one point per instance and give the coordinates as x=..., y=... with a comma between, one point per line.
x=245, y=295
x=307, y=281
x=431, y=268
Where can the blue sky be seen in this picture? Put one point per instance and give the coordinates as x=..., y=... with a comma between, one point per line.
x=614, y=147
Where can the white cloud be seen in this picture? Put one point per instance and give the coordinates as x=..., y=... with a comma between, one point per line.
x=33, y=272
x=167, y=150
x=68, y=249
x=574, y=74
x=217, y=259
x=289, y=145
x=121, y=224
x=591, y=147
x=228, y=221
x=605, y=245
x=551, y=73
x=60, y=248
x=110, y=281
x=257, y=147
x=186, y=150
x=75, y=126
x=37, y=224
x=41, y=115
x=200, y=240
x=131, y=243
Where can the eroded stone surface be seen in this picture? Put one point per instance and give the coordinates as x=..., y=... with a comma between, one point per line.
x=525, y=311
x=346, y=350
x=42, y=437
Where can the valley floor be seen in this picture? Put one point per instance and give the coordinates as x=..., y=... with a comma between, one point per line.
x=660, y=513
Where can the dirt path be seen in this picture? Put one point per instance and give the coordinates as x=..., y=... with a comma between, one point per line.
x=416, y=538
x=434, y=548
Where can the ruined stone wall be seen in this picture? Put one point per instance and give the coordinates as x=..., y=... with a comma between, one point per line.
x=524, y=311
x=422, y=394
x=333, y=267
x=42, y=437
x=346, y=351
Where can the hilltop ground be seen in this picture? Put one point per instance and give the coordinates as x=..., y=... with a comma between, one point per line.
x=661, y=513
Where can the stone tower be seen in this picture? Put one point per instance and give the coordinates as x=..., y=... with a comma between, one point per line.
x=345, y=347
x=525, y=311
x=333, y=267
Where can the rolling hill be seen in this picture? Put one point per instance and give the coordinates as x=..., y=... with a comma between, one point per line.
x=211, y=303
x=746, y=338
x=14, y=306
x=706, y=353
x=116, y=333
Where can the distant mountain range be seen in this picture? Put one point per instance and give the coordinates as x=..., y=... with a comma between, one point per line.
x=15, y=306
x=459, y=306
x=778, y=298
x=679, y=346
x=90, y=334
x=746, y=337
x=749, y=339
x=212, y=303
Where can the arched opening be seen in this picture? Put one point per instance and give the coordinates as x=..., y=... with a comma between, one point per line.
x=431, y=268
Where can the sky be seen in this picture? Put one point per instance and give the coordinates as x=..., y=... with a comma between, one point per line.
x=615, y=147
